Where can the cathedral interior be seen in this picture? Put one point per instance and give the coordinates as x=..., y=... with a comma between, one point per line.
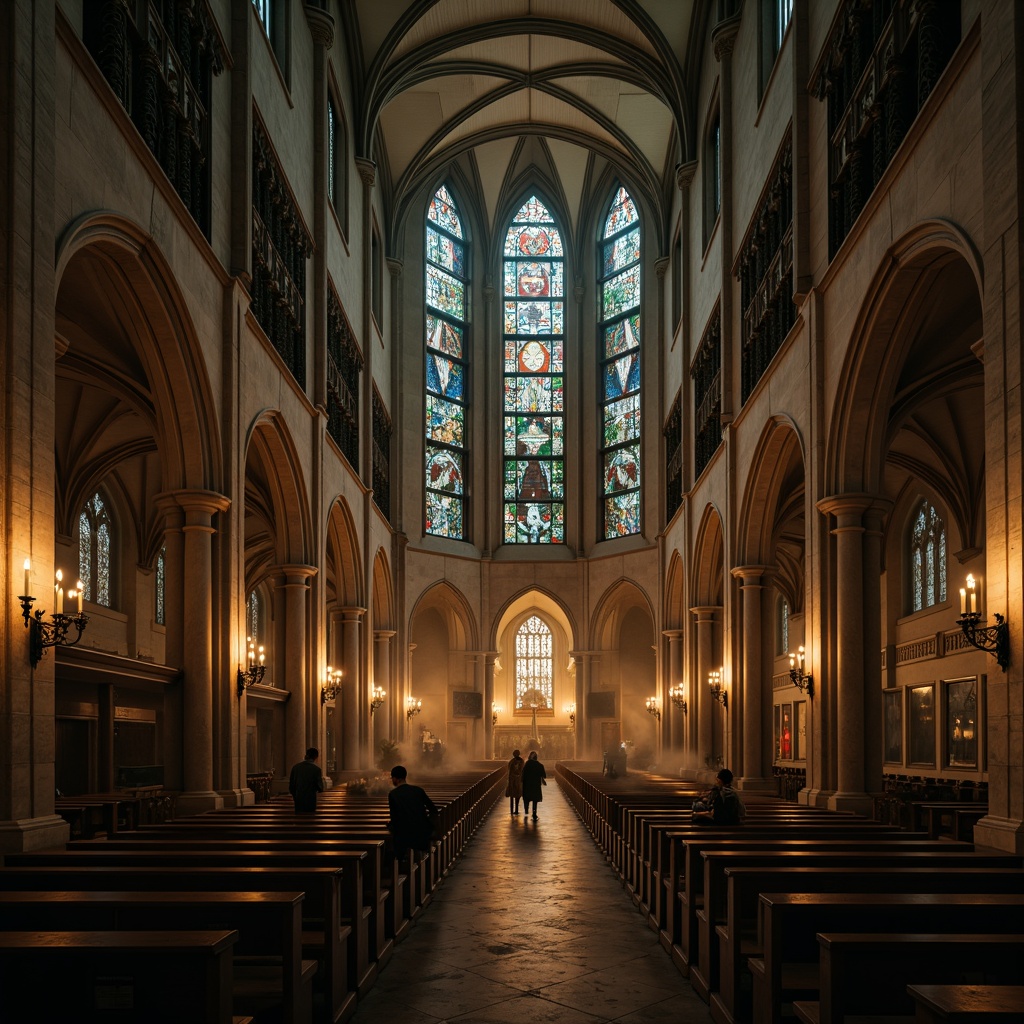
x=430, y=378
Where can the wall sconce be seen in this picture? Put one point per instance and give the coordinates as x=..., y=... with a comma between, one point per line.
x=676, y=693
x=55, y=632
x=717, y=688
x=376, y=699
x=254, y=669
x=796, y=672
x=654, y=708
x=994, y=639
x=570, y=710
x=331, y=689
x=412, y=707
x=495, y=711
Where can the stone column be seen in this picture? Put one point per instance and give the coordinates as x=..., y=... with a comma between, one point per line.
x=350, y=662
x=750, y=712
x=381, y=677
x=489, y=658
x=707, y=657
x=676, y=719
x=174, y=632
x=293, y=585
x=848, y=511
x=199, y=508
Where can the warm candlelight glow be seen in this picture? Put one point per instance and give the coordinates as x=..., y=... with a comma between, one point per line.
x=963, y=600
x=78, y=592
x=59, y=592
x=28, y=569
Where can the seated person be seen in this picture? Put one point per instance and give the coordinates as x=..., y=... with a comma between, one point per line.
x=721, y=805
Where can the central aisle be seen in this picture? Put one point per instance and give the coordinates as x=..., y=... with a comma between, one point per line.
x=531, y=926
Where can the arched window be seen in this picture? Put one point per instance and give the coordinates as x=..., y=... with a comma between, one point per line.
x=782, y=626
x=254, y=616
x=161, y=608
x=95, y=552
x=534, y=666
x=619, y=348
x=533, y=277
x=445, y=319
x=927, y=558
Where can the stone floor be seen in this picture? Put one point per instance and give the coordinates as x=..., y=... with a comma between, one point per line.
x=533, y=926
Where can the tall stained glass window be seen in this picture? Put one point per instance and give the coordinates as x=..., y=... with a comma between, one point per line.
x=161, y=583
x=927, y=558
x=619, y=331
x=94, y=551
x=533, y=277
x=446, y=370
x=534, y=666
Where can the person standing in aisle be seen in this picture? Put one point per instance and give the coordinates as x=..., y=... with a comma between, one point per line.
x=534, y=777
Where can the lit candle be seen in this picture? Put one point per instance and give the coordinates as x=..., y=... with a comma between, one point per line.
x=60, y=593
x=28, y=568
x=963, y=601
x=974, y=601
x=79, y=592
x=262, y=655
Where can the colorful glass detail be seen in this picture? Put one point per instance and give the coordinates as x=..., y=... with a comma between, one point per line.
x=620, y=367
x=446, y=369
x=533, y=445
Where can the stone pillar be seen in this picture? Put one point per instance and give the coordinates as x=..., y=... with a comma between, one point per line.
x=489, y=658
x=381, y=677
x=707, y=657
x=293, y=585
x=198, y=507
x=174, y=633
x=676, y=719
x=350, y=662
x=749, y=715
x=848, y=510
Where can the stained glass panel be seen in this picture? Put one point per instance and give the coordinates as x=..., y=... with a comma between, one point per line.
x=444, y=515
x=445, y=251
x=95, y=552
x=444, y=421
x=622, y=252
x=161, y=562
x=622, y=515
x=622, y=376
x=622, y=421
x=622, y=336
x=534, y=394
x=620, y=293
x=445, y=376
x=443, y=336
x=534, y=666
x=444, y=470
x=621, y=214
x=443, y=213
x=445, y=293
x=622, y=469
x=927, y=558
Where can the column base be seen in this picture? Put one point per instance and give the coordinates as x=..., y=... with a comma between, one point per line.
x=858, y=803
x=196, y=803
x=1006, y=834
x=237, y=797
x=25, y=835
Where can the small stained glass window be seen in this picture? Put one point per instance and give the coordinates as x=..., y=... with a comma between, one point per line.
x=161, y=569
x=927, y=558
x=95, y=538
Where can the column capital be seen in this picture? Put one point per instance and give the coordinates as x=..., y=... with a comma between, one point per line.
x=294, y=574
x=193, y=502
x=750, y=574
x=684, y=174
x=367, y=171
x=661, y=266
x=380, y=635
x=706, y=612
x=350, y=613
x=850, y=508
x=321, y=26
x=673, y=634
x=723, y=36
x=395, y=266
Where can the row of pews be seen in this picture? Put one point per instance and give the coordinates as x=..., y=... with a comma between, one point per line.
x=250, y=914
x=812, y=915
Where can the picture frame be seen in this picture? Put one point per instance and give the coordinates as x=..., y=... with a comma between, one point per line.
x=962, y=721
x=921, y=725
x=467, y=704
x=892, y=726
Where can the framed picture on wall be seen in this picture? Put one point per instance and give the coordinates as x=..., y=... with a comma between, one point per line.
x=921, y=723
x=961, y=722
x=467, y=704
x=892, y=726
x=786, y=736
x=777, y=730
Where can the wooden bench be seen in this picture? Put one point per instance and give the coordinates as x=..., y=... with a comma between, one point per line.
x=787, y=968
x=325, y=937
x=98, y=976
x=968, y=1004
x=867, y=974
x=705, y=976
x=269, y=971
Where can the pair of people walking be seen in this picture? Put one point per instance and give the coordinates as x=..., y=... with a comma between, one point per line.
x=525, y=782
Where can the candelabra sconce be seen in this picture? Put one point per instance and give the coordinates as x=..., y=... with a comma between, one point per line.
x=994, y=639
x=495, y=711
x=56, y=631
x=654, y=708
x=718, y=688
x=570, y=710
x=413, y=707
x=331, y=689
x=376, y=699
x=254, y=669
x=796, y=673
x=676, y=694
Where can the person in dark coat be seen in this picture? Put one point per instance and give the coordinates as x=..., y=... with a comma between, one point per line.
x=534, y=777
x=413, y=814
x=305, y=781
x=514, y=785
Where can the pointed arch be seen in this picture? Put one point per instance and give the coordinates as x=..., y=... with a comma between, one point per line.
x=675, y=593
x=533, y=598
x=707, y=574
x=344, y=576
x=612, y=607
x=383, y=592
x=533, y=422
x=455, y=611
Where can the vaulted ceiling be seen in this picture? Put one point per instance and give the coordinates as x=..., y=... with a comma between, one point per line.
x=572, y=91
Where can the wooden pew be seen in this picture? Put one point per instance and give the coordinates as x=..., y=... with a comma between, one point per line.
x=968, y=1004
x=787, y=967
x=867, y=974
x=98, y=976
x=325, y=937
x=705, y=976
x=268, y=967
